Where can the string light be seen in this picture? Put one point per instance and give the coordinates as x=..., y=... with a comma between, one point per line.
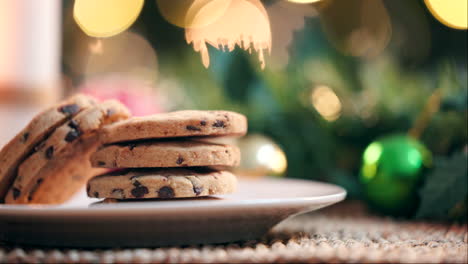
x=326, y=102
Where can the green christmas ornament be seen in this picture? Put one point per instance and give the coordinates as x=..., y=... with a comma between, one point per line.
x=392, y=170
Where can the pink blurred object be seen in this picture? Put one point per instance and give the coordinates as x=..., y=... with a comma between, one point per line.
x=137, y=95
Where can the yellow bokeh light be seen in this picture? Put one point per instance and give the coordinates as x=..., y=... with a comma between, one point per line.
x=304, y=1
x=360, y=28
x=105, y=18
x=192, y=13
x=452, y=13
x=326, y=102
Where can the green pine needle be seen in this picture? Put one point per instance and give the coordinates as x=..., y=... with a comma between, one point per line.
x=444, y=194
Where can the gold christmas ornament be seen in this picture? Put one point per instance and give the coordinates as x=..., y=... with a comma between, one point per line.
x=261, y=156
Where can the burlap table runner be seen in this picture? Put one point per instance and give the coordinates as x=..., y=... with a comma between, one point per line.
x=343, y=233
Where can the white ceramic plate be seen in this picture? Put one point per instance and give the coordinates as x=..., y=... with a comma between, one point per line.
x=248, y=214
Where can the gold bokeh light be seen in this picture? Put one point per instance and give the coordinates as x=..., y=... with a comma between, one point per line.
x=452, y=13
x=192, y=13
x=105, y=18
x=127, y=53
x=326, y=102
x=360, y=28
x=304, y=1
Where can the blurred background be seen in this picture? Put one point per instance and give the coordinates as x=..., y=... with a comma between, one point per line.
x=367, y=94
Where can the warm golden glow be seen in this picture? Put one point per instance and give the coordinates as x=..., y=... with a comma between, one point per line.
x=286, y=19
x=192, y=13
x=105, y=18
x=272, y=157
x=452, y=13
x=261, y=156
x=304, y=1
x=326, y=102
x=127, y=53
x=359, y=28
x=245, y=24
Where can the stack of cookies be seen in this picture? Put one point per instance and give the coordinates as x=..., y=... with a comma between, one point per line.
x=167, y=156
x=48, y=161
x=159, y=156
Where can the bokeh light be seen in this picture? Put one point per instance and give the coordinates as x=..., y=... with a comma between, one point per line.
x=127, y=53
x=192, y=13
x=326, y=102
x=250, y=32
x=304, y=1
x=105, y=18
x=452, y=13
x=360, y=28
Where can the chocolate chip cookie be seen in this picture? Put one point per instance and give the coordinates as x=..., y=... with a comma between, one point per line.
x=39, y=169
x=177, y=124
x=36, y=131
x=161, y=183
x=180, y=153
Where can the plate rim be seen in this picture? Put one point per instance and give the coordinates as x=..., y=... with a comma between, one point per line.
x=338, y=195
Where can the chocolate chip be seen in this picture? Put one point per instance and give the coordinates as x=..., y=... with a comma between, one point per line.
x=49, y=153
x=131, y=146
x=110, y=112
x=135, y=183
x=72, y=135
x=101, y=163
x=118, y=192
x=203, y=123
x=139, y=191
x=73, y=124
x=16, y=193
x=219, y=123
x=96, y=194
x=179, y=160
x=25, y=137
x=193, y=128
x=69, y=109
x=166, y=192
x=197, y=190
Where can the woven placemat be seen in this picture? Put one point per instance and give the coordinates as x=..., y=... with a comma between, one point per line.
x=343, y=233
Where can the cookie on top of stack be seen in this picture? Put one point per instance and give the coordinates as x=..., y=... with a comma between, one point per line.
x=158, y=156
x=48, y=161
